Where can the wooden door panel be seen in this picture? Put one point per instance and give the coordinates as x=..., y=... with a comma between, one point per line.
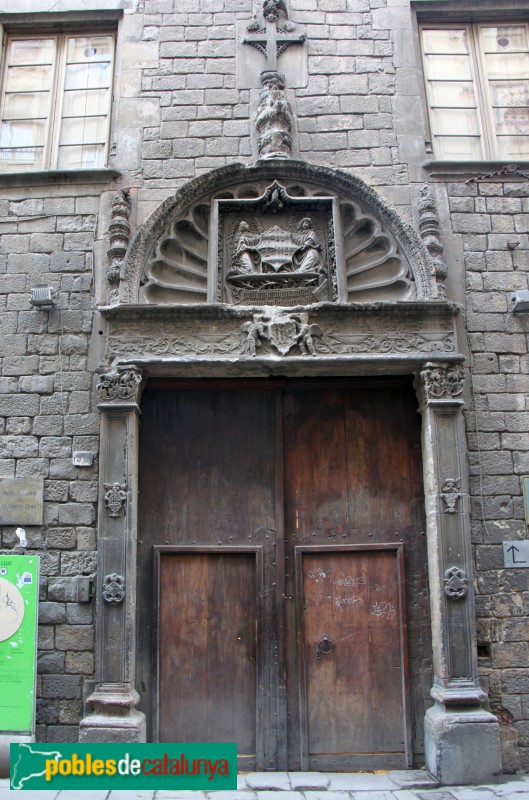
x=352, y=657
x=222, y=469
x=208, y=652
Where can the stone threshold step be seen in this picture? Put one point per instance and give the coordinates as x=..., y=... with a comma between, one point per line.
x=336, y=781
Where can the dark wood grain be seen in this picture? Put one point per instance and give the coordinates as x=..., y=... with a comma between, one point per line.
x=246, y=489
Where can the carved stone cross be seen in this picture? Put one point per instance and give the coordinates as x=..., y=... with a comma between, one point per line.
x=274, y=119
x=271, y=41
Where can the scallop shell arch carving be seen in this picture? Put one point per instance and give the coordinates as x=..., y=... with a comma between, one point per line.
x=374, y=267
x=177, y=271
x=172, y=259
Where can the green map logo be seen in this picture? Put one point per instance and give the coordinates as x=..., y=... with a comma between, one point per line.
x=121, y=766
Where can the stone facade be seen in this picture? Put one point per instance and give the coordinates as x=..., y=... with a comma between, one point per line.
x=183, y=109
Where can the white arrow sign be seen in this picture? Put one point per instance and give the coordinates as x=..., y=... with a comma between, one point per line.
x=516, y=554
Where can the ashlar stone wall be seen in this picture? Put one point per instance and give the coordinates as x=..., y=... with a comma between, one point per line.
x=47, y=413
x=491, y=218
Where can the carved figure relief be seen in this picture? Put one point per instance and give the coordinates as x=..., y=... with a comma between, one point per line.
x=194, y=252
x=275, y=259
x=272, y=252
x=451, y=494
x=274, y=119
x=282, y=330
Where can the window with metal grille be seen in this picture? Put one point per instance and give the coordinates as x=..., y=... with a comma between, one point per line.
x=477, y=86
x=55, y=103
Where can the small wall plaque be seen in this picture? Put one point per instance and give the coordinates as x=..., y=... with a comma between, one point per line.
x=21, y=501
x=516, y=554
x=83, y=458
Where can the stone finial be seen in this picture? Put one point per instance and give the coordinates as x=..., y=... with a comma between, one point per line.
x=119, y=234
x=274, y=120
x=430, y=231
x=272, y=8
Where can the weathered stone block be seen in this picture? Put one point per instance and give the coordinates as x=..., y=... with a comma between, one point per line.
x=79, y=662
x=74, y=637
x=78, y=563
x=52, y=613
x=76, y=514
x=62, y=589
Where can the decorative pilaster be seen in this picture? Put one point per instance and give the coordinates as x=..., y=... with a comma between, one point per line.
x=461, y=738
x=430, y=231
x=115, y=718
x=119, y=234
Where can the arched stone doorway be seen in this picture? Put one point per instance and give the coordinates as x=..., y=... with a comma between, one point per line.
x=225, y=282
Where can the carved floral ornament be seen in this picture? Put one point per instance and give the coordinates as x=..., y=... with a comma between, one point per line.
x=115, y=497
x=113, y=589
x=455, y=583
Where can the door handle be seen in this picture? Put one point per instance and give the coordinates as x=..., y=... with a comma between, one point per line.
x=324, y=646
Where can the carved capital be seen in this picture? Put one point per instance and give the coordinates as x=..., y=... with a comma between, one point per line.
x=113, y=589
x=440, y=384
x=456, y=583
x=122, y=386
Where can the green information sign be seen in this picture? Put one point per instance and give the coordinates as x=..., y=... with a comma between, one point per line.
x=19, y=593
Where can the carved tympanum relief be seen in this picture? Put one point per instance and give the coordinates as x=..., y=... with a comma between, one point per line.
x=276, y=245
x=274, y=250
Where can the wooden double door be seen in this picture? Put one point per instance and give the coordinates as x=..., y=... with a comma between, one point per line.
x=280, y=519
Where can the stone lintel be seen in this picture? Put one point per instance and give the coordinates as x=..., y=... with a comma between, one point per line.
x=377, y=337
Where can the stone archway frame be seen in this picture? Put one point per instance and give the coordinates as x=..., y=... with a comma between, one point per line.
x=328, y=339
x=331, y=183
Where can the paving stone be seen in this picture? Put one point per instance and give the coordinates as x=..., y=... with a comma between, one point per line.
x=268, y=780
x=362, y=781
x=285, y=795
x=413, y=779
x=308, y=780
